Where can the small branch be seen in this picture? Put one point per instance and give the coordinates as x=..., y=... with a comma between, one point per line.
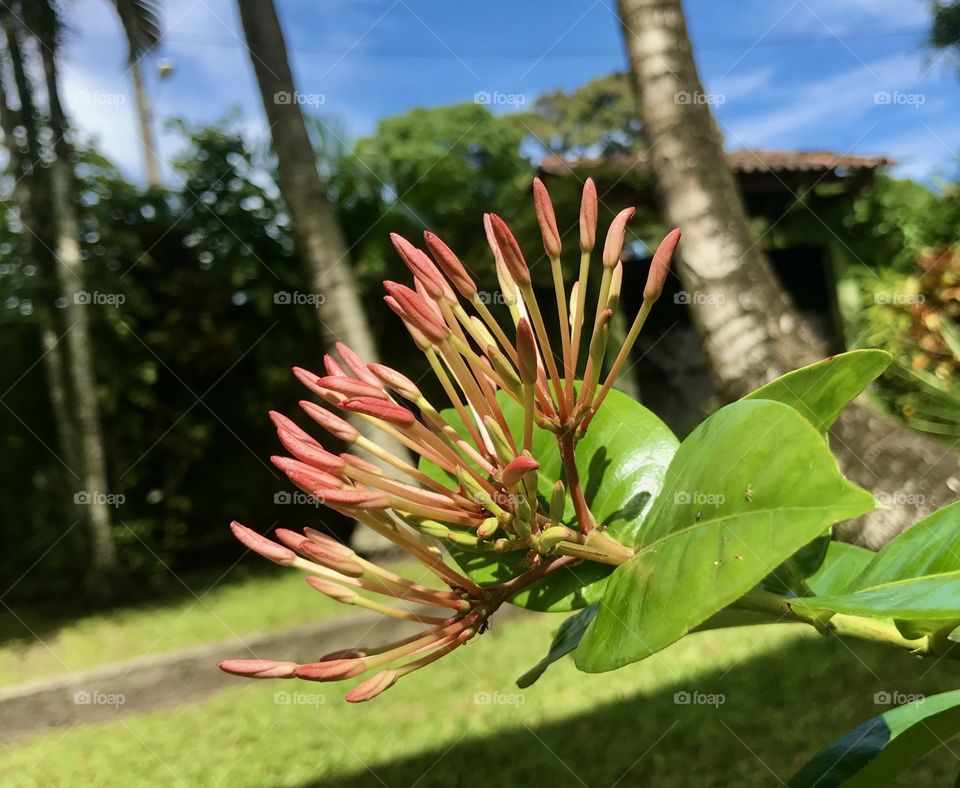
x=567, y=454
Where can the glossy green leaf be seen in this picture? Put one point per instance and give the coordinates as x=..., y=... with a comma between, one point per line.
x=748, y=488
x=915, y=578
x=875, y=752
x=622, y=460
x=792, y=574
x=820, y=391
x=565, y=641
x=841, y=566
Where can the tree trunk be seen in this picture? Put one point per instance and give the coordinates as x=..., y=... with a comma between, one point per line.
x=145, y=118
x=80, y=359
x=751, y=330
x=315, y=225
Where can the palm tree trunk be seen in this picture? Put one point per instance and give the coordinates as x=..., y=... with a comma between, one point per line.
x=80, y=355
x=315, y=225
x=751, y=330
x=145, y=118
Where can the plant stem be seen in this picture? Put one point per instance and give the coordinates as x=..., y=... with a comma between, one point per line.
x=580, y=508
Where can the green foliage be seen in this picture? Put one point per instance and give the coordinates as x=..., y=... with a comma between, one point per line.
x=726, y=517
x=887, y=745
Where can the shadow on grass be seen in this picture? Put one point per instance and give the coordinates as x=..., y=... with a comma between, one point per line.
x=753, y=724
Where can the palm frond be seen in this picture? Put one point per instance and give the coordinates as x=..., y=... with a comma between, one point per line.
x=141, y=23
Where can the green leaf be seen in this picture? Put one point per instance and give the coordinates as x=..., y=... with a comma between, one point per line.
x=622, y=461
x=915, y=579
x=565, y=641
x=883, y=747
x=748, y=488
x=820, y=391
x=789, y=577
x=842, y=565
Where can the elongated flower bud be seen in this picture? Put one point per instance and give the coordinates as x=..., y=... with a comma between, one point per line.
x=323, y=465
x=261, y=545
x=309, y=379
x=546, y=219
x=510, y=249
x=418, y=313
x=258, y=668
x=517, y=469
x=350, y=387
x=558, y=500
x=373, y=686
x=613, y=246
x=281, y=422
x=398, y=382
x=329, y=543
x=331, y=670
x=356, y=365
x=451, y=265
x=526, y=353
x=501, y=446
x=331, y=422
x=588, y=216
x=333, y=368
x=661, y=265
x=381, y=409
x=420, y=265
x=318, y=554
x=552, y=536
x=362, y=464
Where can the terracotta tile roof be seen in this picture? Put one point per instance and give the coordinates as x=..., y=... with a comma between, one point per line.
x=744, y=160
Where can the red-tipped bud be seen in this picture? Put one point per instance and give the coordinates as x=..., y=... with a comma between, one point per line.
x=331, y=422
x=309, y=379
x=510, y=250
x=526, y=353
x=359, y=462
x=331, y=670
x=281, y=422
x=373, y=686
x=381, y=409
x=261, y=545
x=420, y=266
x=290, y=538
x=319, y=555
x=333, y=368
x=258, y=668
x=588, y=216
x=332, y=545
x=428, y=299
x=516, y=469
x=661, y=265
x=613, y=246
x=356, y=364
x=352, y=388
x=417, y=312
x=451, y=265
x=318, y=459
x=399, y=383
x=546, y=219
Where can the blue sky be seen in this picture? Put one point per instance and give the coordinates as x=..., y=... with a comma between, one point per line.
x=791, y=74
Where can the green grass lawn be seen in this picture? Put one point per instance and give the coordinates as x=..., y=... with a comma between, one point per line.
x=205, y=611
x=786, y=692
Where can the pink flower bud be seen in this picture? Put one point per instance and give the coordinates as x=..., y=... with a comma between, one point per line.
x=381, y=409
x=546, y=219
x=396, y=381
x=328, y=542
x=281, y=422
x=526, y=353
x=451, y=265
x=420, y=266
x=417, y=312
x=356, y=364
x=332, y=367
x=258, y=668
x=661, y=265
x=373, y=686
x=331, y=670
x=613, y=247
x=350, y=387
x=363, y=465
x=261, y=545
x=318, y=460
x=331, y=422
x=510, y=250
x=588, y=216
x=516, y=469
x=345, y=566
